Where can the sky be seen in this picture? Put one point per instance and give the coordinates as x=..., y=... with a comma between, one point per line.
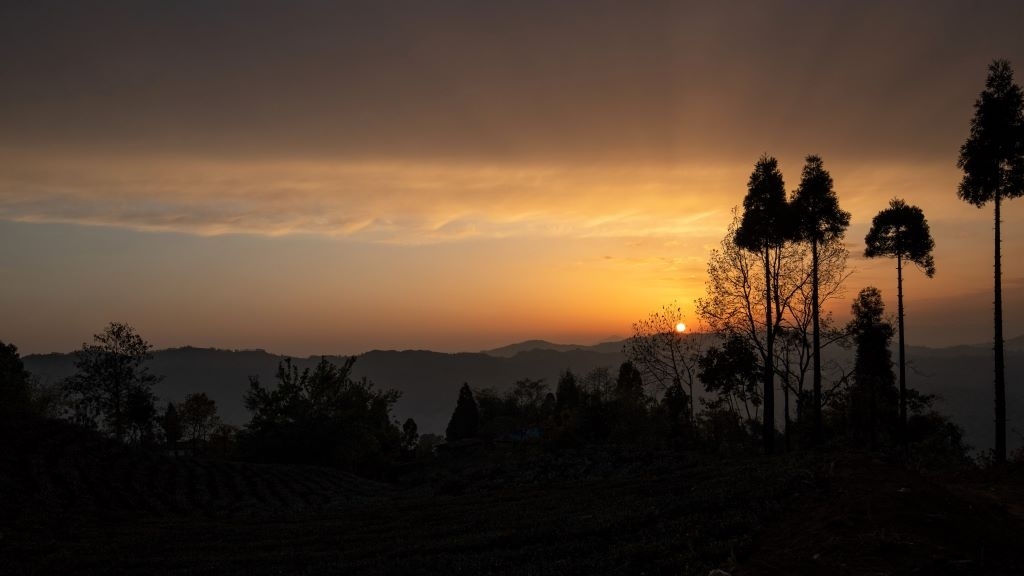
x=334, y=177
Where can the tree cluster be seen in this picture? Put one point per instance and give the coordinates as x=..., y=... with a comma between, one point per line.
x=322, y=416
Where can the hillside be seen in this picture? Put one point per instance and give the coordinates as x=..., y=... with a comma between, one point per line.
x=429, y=381
x=73, y=502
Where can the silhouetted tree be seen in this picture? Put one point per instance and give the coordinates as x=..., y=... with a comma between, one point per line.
x=675, y=407
x=222, y=441
x=410, y=435
x=766, y=225
x=873, y=398
x=170, y=422
x=901, y=231
x=992, y=160
x=15, y=387
x=567, y=393
x=322, y=416
x=731, y=371
x=465, y=421
x=113, y=387
x=663, y=355
x=140, y=412
x=198, y=416
x=735, y=296
x=530, y=397
x=819, y=220
x=630, y=383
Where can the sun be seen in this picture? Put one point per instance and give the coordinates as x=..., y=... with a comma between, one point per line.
x=680, y=328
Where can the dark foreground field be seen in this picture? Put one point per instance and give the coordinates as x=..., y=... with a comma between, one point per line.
x=73, y=503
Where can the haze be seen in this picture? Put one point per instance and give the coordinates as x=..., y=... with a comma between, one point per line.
x=316, y=177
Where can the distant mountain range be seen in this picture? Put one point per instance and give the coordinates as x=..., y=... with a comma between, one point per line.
x=429, y=381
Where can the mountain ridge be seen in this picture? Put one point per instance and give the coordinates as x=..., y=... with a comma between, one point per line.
x=429, y=381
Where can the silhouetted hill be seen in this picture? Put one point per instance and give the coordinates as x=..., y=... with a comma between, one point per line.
x=429, y=381
x=610, y=347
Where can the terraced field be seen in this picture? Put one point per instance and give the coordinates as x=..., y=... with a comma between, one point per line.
x=51, y=472
x=77, y=504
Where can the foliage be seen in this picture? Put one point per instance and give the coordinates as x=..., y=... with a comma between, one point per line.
x=15, y=385
x=113, y=387
x=818, y=221
x=410, y=435
x=321, y=416
x=901, y=231
x=170, y=423
x=767, y=219
x=567, y=395
x=992, y=159
x=816, y=215
x=198, y=417
x=873, y=398
x=736, y=294
x=732, y=372
x=465, y=421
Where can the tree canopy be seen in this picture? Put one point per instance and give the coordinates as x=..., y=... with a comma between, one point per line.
x=901, y=231
x=113, y=387
x=465, y=421
x=992, y=158
x=322, y=416
x=766, y=215
x=815, y=208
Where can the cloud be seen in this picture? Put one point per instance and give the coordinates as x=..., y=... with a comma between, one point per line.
x=376, y=202
x=488, y=81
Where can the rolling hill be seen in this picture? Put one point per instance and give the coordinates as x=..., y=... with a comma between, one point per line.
x=429, y=381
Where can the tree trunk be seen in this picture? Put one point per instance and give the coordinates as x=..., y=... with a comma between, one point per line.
x=816, y=351
x=903, y=362
x=1000, y=452
x=768, y=420
x=785, y=402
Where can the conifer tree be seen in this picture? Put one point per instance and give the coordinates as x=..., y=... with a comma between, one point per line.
x=992, y=160
x=465, y=421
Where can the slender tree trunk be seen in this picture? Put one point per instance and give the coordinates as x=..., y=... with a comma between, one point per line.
x=873, y=414
x=1000, y=454
x=785, y=402
x=693, y=413
x=816, y=342
x=903, y=362
x=768, y=428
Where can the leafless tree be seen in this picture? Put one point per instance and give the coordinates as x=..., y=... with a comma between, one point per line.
x=735, y=292
x=665, y=355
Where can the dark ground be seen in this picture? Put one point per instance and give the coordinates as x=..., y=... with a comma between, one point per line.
x=72, y=503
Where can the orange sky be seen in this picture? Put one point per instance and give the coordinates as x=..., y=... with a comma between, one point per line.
x=319, y=179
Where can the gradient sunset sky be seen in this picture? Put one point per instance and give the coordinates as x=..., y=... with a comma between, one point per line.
x=333, y=177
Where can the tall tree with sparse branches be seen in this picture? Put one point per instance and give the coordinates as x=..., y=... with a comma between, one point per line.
x=992, y=160
x=901, y=232
x=818, y=220
x=766, y=226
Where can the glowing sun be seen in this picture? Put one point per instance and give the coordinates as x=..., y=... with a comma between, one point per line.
x=680, y=328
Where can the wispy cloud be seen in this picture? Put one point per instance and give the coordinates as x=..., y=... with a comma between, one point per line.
x=376, y=202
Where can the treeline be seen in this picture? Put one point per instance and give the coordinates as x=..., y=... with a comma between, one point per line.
x=320, y=416
x=626, y=408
